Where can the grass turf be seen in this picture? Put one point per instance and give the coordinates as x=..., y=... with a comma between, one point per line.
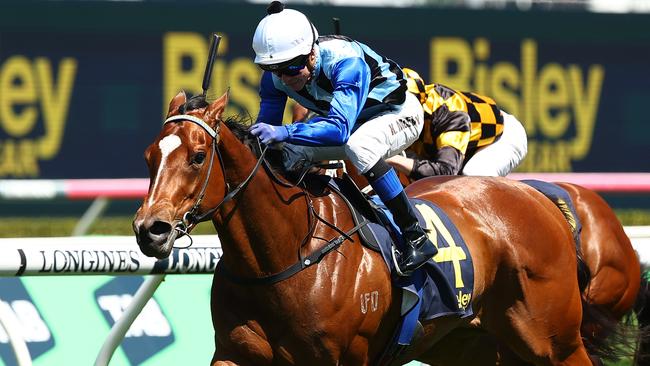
x=23, y=226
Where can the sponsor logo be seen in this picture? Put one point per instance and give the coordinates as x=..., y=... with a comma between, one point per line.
x=34, y=102
x=34, y=328
x=189, y=260
x=150, y=332
x=82, y=261
x=556, y=102
x=463, y=299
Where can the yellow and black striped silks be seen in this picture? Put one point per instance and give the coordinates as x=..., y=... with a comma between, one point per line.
x=462, y=120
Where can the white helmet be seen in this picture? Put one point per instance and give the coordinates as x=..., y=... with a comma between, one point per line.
x=282, y=36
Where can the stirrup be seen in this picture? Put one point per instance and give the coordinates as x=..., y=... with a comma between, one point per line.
x=418, y=254
x=394, y=254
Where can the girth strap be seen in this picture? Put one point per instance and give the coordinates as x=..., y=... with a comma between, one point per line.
x=307, y=261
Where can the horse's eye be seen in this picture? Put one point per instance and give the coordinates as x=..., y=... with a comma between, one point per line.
x=198, y=158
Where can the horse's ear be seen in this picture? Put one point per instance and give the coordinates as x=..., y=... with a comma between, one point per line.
x=176, y=102
x=216, y=108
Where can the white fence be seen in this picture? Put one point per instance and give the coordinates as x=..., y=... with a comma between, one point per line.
x=640, y=237
x=103, y=255
x=110, y=255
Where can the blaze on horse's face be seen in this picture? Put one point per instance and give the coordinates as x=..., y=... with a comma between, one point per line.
x=178, y=163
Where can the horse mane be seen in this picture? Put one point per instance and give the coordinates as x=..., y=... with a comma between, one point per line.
x=239, y=126
x=194, y=102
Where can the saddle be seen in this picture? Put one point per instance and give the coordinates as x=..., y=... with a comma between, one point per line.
x=360, y=205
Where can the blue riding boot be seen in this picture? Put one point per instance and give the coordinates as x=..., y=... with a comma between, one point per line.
x=418, y=248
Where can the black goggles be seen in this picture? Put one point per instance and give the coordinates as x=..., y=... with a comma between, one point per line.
x=290, y=68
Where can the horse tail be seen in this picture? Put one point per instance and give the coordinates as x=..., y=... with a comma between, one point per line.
x=604, y=336
x=642, y=312
x=584, y=273
x=611, y=339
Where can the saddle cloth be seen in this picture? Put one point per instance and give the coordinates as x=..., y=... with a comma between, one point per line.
x=563, y=201
x=444, y=285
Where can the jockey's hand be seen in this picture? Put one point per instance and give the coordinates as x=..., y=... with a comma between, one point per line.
x=269, y=134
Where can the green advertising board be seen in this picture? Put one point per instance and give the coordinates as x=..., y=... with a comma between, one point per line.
x=65, y=320
x=66, y=294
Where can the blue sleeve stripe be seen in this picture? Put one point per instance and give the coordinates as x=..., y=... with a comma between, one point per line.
x=387, y=186
x=272, y=101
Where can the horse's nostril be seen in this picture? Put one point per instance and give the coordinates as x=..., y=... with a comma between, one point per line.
x=160, y=227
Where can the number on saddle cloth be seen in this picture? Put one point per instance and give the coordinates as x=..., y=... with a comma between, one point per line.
x=445, y=284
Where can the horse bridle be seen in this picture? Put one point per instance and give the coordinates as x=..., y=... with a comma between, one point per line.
x=192, y=217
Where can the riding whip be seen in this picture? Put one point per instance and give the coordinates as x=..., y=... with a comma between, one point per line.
x=337, y=26
x=214, y=45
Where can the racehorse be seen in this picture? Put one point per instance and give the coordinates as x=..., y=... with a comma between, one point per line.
x=612, y=293
x=275, y=303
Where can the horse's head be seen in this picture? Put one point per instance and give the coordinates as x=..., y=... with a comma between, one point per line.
x=180, y=165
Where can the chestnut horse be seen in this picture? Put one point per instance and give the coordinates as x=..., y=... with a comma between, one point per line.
x=271, y=306
x=612, y=293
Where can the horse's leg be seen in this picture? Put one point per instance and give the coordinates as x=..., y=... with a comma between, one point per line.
x=224, y=363
x=237, y=340
x=538, y=329
x=219, y=359
x=222, y=357
x=608, y=252
x=462, y=346
x=237, y=354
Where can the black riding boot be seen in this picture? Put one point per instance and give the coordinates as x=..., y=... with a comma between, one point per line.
x=418, y=248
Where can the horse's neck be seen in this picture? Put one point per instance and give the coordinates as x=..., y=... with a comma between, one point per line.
x=260, y=231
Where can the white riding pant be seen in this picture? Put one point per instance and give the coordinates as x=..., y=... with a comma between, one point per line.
x=386, y=135
x=501, y=157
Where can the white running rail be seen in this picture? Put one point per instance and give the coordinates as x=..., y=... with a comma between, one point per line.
x=107, y=255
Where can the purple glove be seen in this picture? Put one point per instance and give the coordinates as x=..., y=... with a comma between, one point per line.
x=269, y=134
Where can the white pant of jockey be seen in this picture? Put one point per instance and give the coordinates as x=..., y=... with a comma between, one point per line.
x=501, y=157
x=381, y=137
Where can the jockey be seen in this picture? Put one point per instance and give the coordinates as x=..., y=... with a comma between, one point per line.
x=365, y=113
x=464, y=133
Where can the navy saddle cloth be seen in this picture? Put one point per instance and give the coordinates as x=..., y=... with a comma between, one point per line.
x=444, y=285
x=563, y=201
